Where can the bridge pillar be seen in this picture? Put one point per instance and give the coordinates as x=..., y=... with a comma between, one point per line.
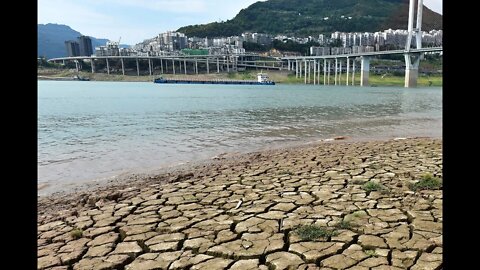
x=228, y=65
x=108, y=66
x=318, y=70
x=161, y=65
x=411, y=69
x=299, y=69
x=76, y=65
x=166, y=66
x=314, y=72
x=185, y=66
x=309, y=70
x=340, y=74
x=196, y=66
x=138, y=67
x=150, y=66
x=173, y=66
x=348, y=69
x=324, y=71
x=336, y=70
x=208, y=67
x=218, y=65
x=179, y=66
x=364, y=71
x=92, y=63
x=353, y=72
x=123, y=66
x=296, y=68
x=329, y=69
x=305, y=71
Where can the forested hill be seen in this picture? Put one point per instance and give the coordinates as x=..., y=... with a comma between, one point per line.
x=312, y=17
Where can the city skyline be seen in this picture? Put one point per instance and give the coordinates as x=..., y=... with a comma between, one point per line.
x=135, y=21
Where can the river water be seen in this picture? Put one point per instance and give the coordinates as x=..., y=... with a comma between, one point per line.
x=97, y=130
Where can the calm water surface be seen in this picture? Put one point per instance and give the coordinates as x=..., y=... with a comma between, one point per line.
x=94, y=130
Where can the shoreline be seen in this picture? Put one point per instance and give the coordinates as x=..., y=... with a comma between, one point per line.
x=140, y=173
x=143, y=177
x=245, y=212
x=279, y=77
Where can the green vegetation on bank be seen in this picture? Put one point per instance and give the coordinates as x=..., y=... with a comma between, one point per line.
x=282, y=77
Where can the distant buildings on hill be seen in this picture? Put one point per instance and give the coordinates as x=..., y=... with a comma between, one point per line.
x=176, y=43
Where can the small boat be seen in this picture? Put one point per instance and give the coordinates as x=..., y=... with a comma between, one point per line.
x=262, y=79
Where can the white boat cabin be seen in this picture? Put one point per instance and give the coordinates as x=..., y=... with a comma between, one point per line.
x=262, y=77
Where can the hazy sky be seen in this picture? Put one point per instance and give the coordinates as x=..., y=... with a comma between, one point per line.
x=136, y=20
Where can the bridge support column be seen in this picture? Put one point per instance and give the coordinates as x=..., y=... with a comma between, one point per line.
x=329, y=69
x=218, y=65
x=138, y=67
x=299, y=69
x=353, y=72
x=364, y=71
x=166, y=66
x=173, y=66
x=296, y=68
x=324, y=71
x=336, y=70
x=411, y=69
x=318, y=70
x=314, y=72
x=196, y=66
x=208, y=67
x=228, y=65
x=108, y=66
x=179, y=66
x=123, y=66
x=348, y=70
x=309, y=70
x=340, y=74
x=305, y=71
x=92, y=63
x=185, y=66
x=150, y=66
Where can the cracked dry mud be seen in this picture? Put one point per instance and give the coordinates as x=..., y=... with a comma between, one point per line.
x=194, y=220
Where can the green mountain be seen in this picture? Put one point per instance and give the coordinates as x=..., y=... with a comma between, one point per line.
x=51, y=39
x=313, y=17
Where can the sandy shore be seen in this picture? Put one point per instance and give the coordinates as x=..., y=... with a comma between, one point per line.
x=244, y=212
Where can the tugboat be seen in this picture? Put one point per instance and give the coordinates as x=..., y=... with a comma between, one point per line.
x=262, y=79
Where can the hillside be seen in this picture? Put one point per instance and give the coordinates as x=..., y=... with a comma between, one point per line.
x=51, y=39
x=309, y=17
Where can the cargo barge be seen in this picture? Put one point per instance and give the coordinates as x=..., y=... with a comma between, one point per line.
x=262, y=79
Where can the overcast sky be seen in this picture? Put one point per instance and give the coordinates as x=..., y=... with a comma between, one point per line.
x=136, y=20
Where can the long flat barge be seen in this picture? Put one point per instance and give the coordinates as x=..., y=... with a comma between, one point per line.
x=262, y=80
x=211, y=82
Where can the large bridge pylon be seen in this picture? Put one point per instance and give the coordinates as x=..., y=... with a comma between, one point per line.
x=412, y=60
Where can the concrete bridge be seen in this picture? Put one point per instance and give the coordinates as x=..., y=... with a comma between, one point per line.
x=304, y=66
x=179, y=64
